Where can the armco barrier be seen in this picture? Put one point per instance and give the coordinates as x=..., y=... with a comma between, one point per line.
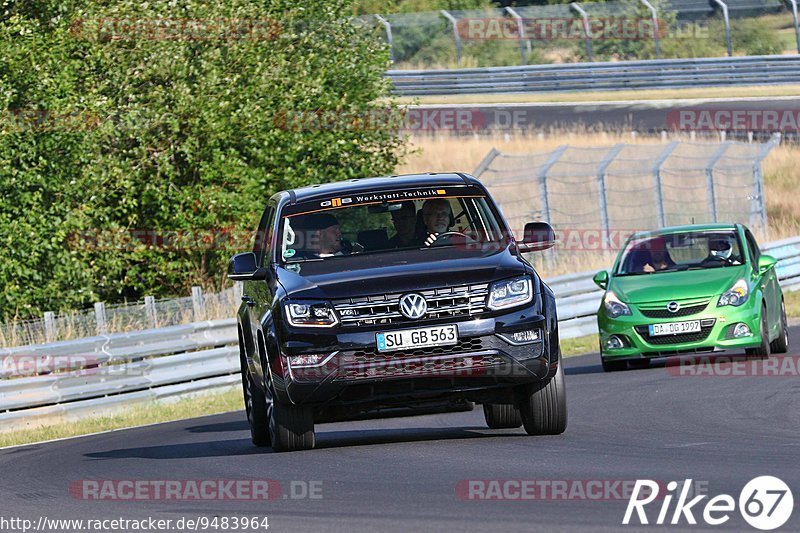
x=610, y=76
x=98, y=373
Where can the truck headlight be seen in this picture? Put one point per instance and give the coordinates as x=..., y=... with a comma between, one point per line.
x=510, y=293
x=311, y=315
x=614, y=307
x=736, y=295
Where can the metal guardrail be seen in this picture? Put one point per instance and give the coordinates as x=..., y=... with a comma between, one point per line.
x=609, y=76
x=102, y=372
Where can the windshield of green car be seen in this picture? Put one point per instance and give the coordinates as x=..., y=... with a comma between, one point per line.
x=388, y=223
x=673, y=252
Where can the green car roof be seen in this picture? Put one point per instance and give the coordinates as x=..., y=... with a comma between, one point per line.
x=685, y=228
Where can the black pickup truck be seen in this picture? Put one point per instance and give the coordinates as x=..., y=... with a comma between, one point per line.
x=394, y=292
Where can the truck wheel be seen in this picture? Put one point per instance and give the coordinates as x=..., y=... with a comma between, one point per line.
x=762, y=350
x=781, y=344
x=613, y=366
x=501, y=416
x=544, y=411
x=256, y=405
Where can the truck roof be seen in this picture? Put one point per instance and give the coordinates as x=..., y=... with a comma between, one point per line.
x=364, y=185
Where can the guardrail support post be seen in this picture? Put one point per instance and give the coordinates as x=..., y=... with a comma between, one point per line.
x=521, y=28
x=796, y=27
x=601, y=190
x=662, y=157
x=198, y=303
x=456, y=36
x=388, y=28
x=49, y=326
x=541, y=178
x=654, y=13
x=586, y=30
x=725, y=16
x=100, y=318
x=712, y=195
x=150, y=310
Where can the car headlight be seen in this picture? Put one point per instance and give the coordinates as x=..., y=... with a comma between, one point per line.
x=510, y=293
x=313, y=315
x=614, y=307
x=736, y=295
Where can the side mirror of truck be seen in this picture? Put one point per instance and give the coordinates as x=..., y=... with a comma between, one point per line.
x=537, y=236
x=243, y=267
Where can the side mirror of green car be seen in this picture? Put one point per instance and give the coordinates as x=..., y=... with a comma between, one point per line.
x=765, y=262
x=601, y=279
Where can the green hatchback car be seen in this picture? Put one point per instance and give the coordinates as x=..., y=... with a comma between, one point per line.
x=690, y=289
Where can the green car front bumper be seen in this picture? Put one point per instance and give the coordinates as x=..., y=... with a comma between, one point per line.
x=716, y=333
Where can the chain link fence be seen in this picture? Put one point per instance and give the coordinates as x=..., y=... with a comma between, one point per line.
x=588, y=31
x=595, y=197
x=115, y=318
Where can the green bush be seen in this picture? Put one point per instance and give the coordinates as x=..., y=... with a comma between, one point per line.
x=104, y=135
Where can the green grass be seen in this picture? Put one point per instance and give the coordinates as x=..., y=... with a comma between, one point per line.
x=150, y=413
x=792, y=301
x=579, y=345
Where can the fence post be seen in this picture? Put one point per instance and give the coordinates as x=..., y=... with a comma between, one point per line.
x=654, y=13
x=662, y=157
x=796, y=27
x=238, y=292
x=727, y=19
x=758, y=179
x=198, y=303
x=541, y=178
x=601, y=190
x=712, y=195
x=388, y=28
x=49, y=326
x=586, y=29
x=150, y=310
x=100, y=318
x=456, y=36
x=521, y=28
x=485, y=162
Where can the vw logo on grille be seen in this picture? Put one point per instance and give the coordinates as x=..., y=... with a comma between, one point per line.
x=673, y=307
x=413, y=305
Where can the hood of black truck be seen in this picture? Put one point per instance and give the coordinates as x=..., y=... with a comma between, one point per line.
x=397, y=272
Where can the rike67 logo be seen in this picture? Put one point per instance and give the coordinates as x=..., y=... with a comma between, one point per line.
x=766, y=503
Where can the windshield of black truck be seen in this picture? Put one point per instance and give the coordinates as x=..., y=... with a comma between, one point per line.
x=386, y=226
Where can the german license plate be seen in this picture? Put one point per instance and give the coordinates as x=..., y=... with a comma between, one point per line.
x=417, y=338
x=674, y=328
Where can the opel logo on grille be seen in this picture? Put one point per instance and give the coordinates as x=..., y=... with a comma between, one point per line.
x=413, y=305
x=673, y=307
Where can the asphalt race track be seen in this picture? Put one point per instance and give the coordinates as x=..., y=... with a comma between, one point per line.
x=646, y=116
x=401, y=473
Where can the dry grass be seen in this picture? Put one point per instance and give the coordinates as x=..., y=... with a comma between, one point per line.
x=451, y=153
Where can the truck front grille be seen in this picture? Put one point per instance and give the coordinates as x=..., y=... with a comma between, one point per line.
x=448, y=302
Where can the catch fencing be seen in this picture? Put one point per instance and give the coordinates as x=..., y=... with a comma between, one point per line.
x=578, y=31
x=630, y=187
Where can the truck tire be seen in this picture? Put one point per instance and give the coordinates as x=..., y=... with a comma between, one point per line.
x=501, y=416
x=544, y=410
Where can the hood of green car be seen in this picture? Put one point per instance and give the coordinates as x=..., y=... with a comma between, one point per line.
x=676, y=285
